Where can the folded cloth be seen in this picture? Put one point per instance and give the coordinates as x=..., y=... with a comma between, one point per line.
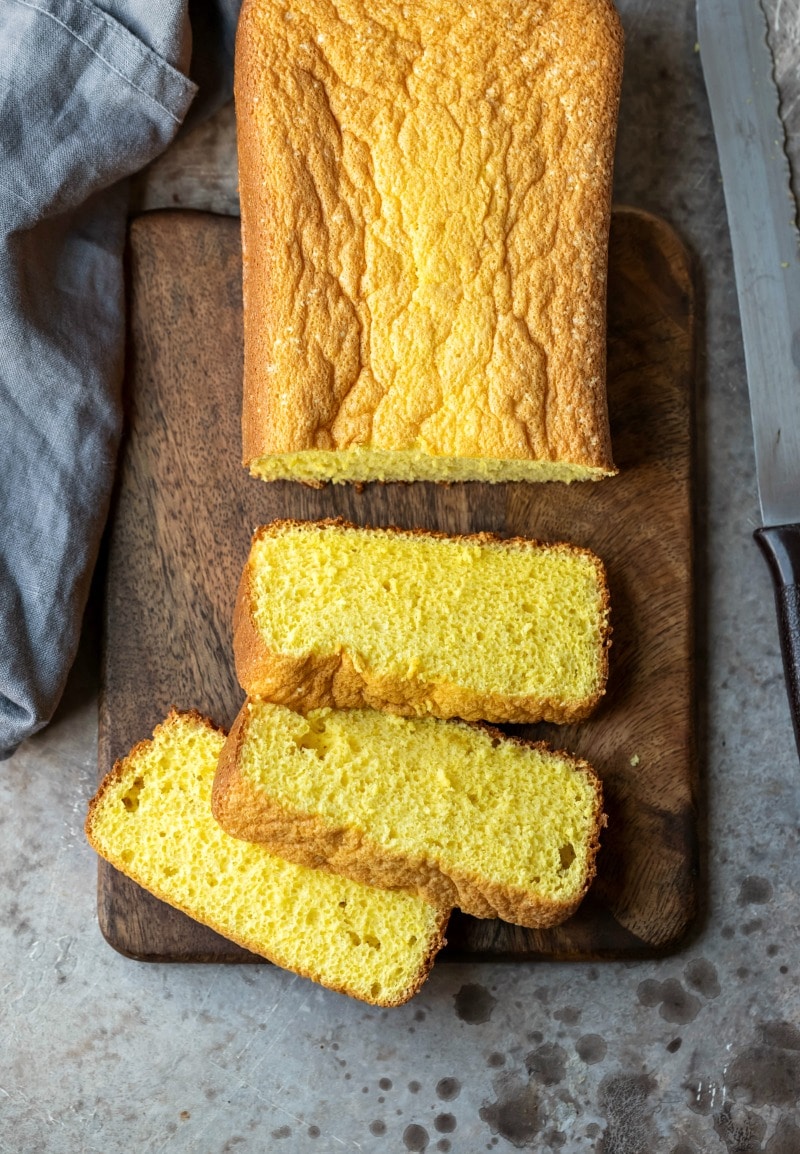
x=89, y=93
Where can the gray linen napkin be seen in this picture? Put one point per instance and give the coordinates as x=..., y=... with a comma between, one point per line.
x=89, y=93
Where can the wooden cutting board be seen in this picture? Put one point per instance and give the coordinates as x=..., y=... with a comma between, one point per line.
x=180, y=530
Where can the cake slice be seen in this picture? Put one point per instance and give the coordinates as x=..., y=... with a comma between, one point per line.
x=151, y=818
x=419, y=623
x=461, y=814
x=425, y=195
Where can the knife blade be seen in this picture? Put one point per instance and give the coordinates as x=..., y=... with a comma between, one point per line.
x=762, y=217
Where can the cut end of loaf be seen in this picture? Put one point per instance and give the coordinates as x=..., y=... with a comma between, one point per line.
x=357, y=465
x=151, y=818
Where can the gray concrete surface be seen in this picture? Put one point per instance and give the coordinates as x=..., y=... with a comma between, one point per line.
x=696, y=1052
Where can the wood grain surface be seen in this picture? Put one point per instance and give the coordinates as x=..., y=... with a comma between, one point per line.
x=180, y=530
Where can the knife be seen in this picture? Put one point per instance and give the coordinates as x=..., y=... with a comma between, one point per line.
x=739, y=74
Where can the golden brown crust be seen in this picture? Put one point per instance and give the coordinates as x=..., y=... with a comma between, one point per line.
x=314, y=681
x=127, y=764
x=343, y=348
x=310, y=840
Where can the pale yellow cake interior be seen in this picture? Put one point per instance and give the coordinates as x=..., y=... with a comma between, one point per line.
x=516, y=621
x=155, y=823
x=364, y=464
x=441, y=791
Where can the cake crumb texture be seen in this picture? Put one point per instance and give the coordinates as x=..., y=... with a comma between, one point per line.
x=425, y=195
x=330, y=614
x=463, y=814
x=151, y=818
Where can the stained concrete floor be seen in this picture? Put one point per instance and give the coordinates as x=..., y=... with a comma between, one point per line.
x=695, y=1052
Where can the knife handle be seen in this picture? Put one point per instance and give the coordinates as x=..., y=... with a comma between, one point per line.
x=780, y=545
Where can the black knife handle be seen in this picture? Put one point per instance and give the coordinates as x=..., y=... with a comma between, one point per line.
x=781, y=547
